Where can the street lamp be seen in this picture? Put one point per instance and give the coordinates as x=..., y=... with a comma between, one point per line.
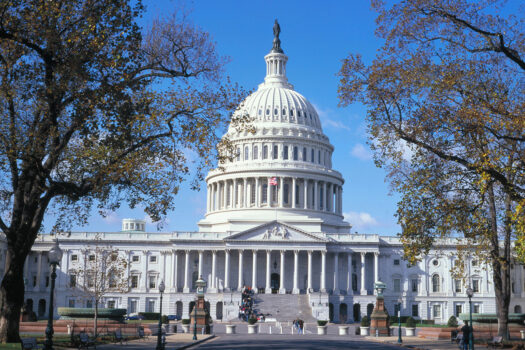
x=470, y=293
x=399, y=338
x=54, y=255
x=200, y=284
x=160, y=346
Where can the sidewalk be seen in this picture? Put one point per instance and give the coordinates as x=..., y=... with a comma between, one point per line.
x=173, y=342
x=416, y=343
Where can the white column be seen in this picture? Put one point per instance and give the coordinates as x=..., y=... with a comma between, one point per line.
x=268, y=289
x=39, y=272
x=363, y=289
x=163, y=254
x=282, y=290
x=175, y=266
x=281, y=192
x=323, y=271
x=324, y=197
x=213, y=269
x=186, y=288
x=200, y=264
x=245, y=193
x=316, y=195
x=257, y=193
x=340, y=200
x=254, y=270
x=268, y=193
x=145, y=270
x=295, y=289
x=239, y=283
x=309, y=288
x=330, y=198
x=227, y=270
x=336, y=273
x=224, y=194
x=305, y=194
x=235, y=194
x=294, y=194
x=376, y=266
x=349, y=289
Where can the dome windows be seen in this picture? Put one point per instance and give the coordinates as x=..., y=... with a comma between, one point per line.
x=295, y=153
x=285, y=152
x=284, y=111
x=255, y=152
x=291, y=112
x=268, y=111
x=265, y=152
x=275, y=152
x=304, y=154
x=275, y=111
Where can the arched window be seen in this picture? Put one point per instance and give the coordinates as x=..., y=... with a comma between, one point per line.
x=291, y=112
x=255, y=152
x=246, y=153
x=435, y=283
x=284, y=111
x=285, y=152
x=265, y=152
x=295, y=153
x=275, y=152
x=299, y=113
x=304, y=154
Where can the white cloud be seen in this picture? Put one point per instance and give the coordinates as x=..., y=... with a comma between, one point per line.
x=326, y=121
x=361, y=152
x=360, y=221
x=112, y=218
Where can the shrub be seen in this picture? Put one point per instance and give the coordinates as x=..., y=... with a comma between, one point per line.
x=452, y=322
x=152, y=316
x=365, y=321
x=393, y=319
x=185, y=321
x=164, y=319
x=321, y=322
x=411, y=323
x=252, y=320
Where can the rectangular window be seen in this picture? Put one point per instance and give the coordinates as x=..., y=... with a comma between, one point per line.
x=414, y=285
x=71, y=303
x=312, y=156
x=295, y=153
x=74, y=257
x=474, y=262
x=134, y=281
x=132, y=306
x=90, y=280
x=476, y=308
x=319, y=156
x=252, y=194
x=151, y=305
x=436, y=311
x=458, y=309
x=265, y=152
x=153, y=281
x=397, y=309
x=255, y=152
x=415, y=310
x=47, y=281
x=89, y=304
x=275, y=152
x=304, y=154
x=264, y=193
x=135, y=258
x=111, y=304
x=397, y=285
x=91, y=257
x=34, y=281
x=285, y=152
x=153, y=259
x=396, y=261
x=457, y=284
x=72, y=281
x=475, y=286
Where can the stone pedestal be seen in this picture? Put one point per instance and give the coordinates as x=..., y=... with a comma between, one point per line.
x=379, y=319
x=202, y=317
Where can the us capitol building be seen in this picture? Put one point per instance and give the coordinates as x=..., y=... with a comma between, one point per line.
x=273, y=222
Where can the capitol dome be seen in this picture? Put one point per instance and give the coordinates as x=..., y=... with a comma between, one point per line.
x=282, y=168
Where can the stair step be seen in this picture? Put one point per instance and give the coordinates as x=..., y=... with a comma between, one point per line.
x=284, y=307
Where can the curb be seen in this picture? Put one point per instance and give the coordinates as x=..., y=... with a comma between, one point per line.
x=187, y=346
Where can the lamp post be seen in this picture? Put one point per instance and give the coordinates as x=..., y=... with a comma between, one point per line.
x=160, y=346
x=399, y=338
x=54, y=255
x=470, y=293
x=200, y=284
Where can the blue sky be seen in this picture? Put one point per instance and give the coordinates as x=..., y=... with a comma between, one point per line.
x=316, y=36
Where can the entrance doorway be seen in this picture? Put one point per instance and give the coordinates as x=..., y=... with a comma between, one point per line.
x=357, y=312
x=275, y=283
x=343, y=313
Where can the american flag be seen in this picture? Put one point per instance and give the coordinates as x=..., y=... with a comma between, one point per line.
x=273, y=181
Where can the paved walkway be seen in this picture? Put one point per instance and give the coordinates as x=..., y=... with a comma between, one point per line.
x=416, y=343
x=174, y=341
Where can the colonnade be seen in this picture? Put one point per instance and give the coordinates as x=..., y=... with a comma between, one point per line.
x=277, y=192
x=230, y=285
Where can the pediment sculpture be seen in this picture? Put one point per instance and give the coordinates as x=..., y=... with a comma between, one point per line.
x=276, y=232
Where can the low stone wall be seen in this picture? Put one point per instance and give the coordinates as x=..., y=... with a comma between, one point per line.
x=77, y=326
x=481, y=331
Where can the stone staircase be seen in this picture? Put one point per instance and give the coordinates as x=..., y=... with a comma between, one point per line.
x=284, y=307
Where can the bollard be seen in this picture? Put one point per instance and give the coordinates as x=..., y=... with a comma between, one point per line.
x=270, y=329
x=281, y=329
x=304, y=329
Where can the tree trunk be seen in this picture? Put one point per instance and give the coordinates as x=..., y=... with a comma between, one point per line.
x=95, y=330
x=12, y=297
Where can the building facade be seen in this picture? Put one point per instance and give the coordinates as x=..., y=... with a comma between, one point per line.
x=273, y=222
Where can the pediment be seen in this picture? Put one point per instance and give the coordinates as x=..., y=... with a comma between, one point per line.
x=275, y=231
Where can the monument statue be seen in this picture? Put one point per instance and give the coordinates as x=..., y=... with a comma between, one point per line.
x=276, y=41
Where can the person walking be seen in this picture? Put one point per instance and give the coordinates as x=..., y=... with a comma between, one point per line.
x=466, y=335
